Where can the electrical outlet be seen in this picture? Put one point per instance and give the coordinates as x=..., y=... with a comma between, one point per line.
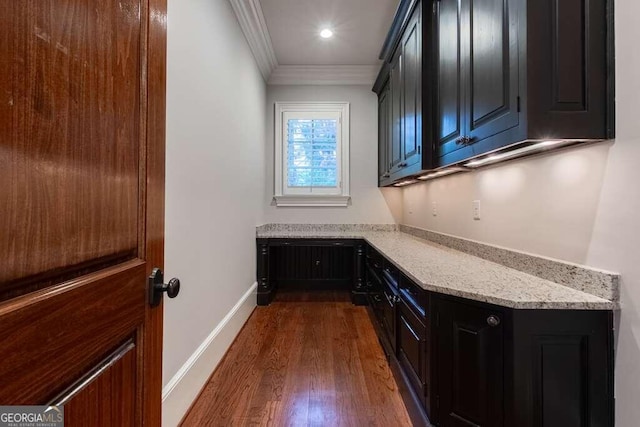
x=476, y=209
x=434, y=209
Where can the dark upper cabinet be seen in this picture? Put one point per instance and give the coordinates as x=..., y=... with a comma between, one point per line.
x=470, y=365
x=514, y=71
x=449, y=91
x=402, y=82
x=477, y=61
x=481, y=76
x=384, y=133
x=411, y=86
x=395, y=89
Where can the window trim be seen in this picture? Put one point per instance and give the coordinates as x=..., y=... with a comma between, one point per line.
x=282, y=198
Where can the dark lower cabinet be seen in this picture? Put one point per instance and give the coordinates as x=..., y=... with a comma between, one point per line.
x=496, y=366
x=470, y=360
x=319, y=264
x=412, y=349
x=568, y=357
x=458, y=362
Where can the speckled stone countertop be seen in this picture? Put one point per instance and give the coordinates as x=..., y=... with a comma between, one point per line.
x=444, y=270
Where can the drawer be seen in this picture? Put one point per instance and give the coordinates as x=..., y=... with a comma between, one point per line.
x=389, y=314
x=416, y=298
x=412, y=348
x=391, y=274
x=374, y=261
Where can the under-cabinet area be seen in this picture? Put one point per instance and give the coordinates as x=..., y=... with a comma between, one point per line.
x=469, y=341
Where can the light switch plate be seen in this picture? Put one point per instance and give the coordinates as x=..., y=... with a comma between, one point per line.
x=476, y=209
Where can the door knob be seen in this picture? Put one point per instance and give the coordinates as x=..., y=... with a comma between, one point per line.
x=157, y=287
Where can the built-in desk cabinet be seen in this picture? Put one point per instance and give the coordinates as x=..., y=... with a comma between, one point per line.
x=310, y=264
x=460, y=362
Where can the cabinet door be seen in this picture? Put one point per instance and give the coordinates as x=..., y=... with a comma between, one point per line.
x=395, y=146
x=449, y=90
x=490, y=52
x=469, y=366
x=389, y=316
x=411, y=45
x=383, y=134
x=412, y=348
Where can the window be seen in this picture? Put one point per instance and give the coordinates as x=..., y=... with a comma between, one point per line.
x=312, y=154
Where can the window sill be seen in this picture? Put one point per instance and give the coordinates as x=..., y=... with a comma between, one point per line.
x=312, y=201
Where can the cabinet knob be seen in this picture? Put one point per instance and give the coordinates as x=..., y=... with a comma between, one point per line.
x=464, y=140
x=493, y=321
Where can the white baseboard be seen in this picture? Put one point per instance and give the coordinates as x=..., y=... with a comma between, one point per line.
x=184, y=387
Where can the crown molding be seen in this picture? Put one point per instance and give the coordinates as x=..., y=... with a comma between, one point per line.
x=324, y=75
x=254, y=27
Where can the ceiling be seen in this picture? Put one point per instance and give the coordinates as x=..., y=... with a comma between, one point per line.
x=359, y=26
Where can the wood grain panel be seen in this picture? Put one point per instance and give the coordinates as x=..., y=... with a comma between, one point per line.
x=152, y=240
x=108, y=401
x=52, y=337
x=70, y=119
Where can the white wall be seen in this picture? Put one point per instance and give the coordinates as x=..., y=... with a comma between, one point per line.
x=368, y=203
x=216, y=100
x=582, y=205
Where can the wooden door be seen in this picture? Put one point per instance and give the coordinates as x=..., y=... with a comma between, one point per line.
x=411, y=46
x=470, y=365
x=490, y=49
x=82, y=105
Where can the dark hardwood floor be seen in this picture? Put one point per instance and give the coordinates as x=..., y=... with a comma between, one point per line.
x=309, y=359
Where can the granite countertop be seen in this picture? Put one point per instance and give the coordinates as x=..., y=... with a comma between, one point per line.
x=444, y=270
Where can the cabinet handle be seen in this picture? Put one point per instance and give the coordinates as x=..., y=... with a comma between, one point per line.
x=377, y=298
x=493, y=321
x=402, y=165
x=386, y=175
x=464, y=140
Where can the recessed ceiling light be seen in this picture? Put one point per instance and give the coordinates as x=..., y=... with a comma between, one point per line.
x=326, y=33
